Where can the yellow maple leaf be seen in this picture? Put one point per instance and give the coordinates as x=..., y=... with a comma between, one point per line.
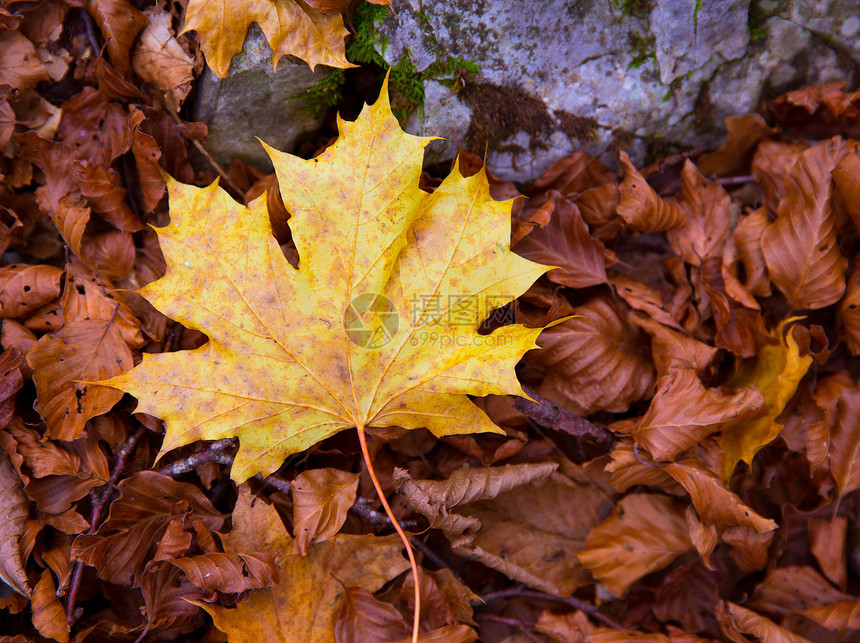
x=775, y=373
x=290, y=26
x=377, y=327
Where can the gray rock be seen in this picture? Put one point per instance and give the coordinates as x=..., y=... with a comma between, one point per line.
x=254, y=101
x=603, y=79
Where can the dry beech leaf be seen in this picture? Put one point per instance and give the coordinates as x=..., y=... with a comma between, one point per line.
x=596, y=360
x=827, y=538
x=747, y=235
x=846, y=180
x=565, y=242
x=641, y=297
x=737, y=315
x=291, y=27
x=321, y=498
x=707, y=218
x=160, y=60
x=95, y=342
x=771, y=164
x=849, y=312
x=713, y=501
x=502, y=515
x=24, y=289
x=120, y=23
x=370, y=345
x=305, y=605
x=49, y=617
x=800, y=248
x=645, y=533
x=672, y=350
x=735, y=621
x=641, y=207
x=137, y=520
x=20, y=67
x=791, y=590
x=844, y=446
x=841, y=617
x=11, y=382
x=231, y=572
x=363, y=619
x=775, y=373
x=683, y=413
x=688, y=596
x=734, y=156
x=15, y=508
x=103, y=189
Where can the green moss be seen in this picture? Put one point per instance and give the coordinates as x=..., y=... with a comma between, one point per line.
x=638, y=8
x=641, y=49
x=406, y=83
x=696, y=12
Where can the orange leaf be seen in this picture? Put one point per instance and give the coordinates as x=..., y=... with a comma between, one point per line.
x=365, y=619
x=736, y=621
x=291, y=27
x=800, y=247
x=321, y=498
x=596, y=360
x=49, y=618
x=641, y=207
x=645, y=533
x=683, y=412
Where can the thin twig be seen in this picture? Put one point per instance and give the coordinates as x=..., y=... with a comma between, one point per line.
x=433, y=557
x=734, y=180
x=674, y=159
x=575, y=603
x=549, y=414
x=89, y=29
x=215, y=452
x=99, y=502
x=375, y=518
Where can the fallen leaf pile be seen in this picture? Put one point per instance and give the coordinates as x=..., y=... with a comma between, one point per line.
x=686, y=464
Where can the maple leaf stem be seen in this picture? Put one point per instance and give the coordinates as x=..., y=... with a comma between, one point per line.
x=362, y=440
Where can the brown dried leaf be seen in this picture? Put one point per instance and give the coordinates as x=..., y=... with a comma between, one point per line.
x=735, y=621
x=24, y=289
x=15, y=508
x=572, y=175
x=565, y=242
x=363, y=619
x=842, y=616
x=160, y=60
x=10, y=383
x=673, y=350
x=800, y=247
x=771, y=164
x=747, y=235
x=713, y=501
x=49, y=617
x=231, y=572
x=849, y=312
x=595, y=361
x=734, y=156
x=120, y=23
x=845, y=442
x=321, y=499
x=707, y=218
x=689, y=595
x=827, y=538
x=640, y=206
x=123, y=544
x=641, y=297
x=791, y=590
x=102, y=188
x=20, y=67
x=645, y=533
x=683, y=412
x=737, y=315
